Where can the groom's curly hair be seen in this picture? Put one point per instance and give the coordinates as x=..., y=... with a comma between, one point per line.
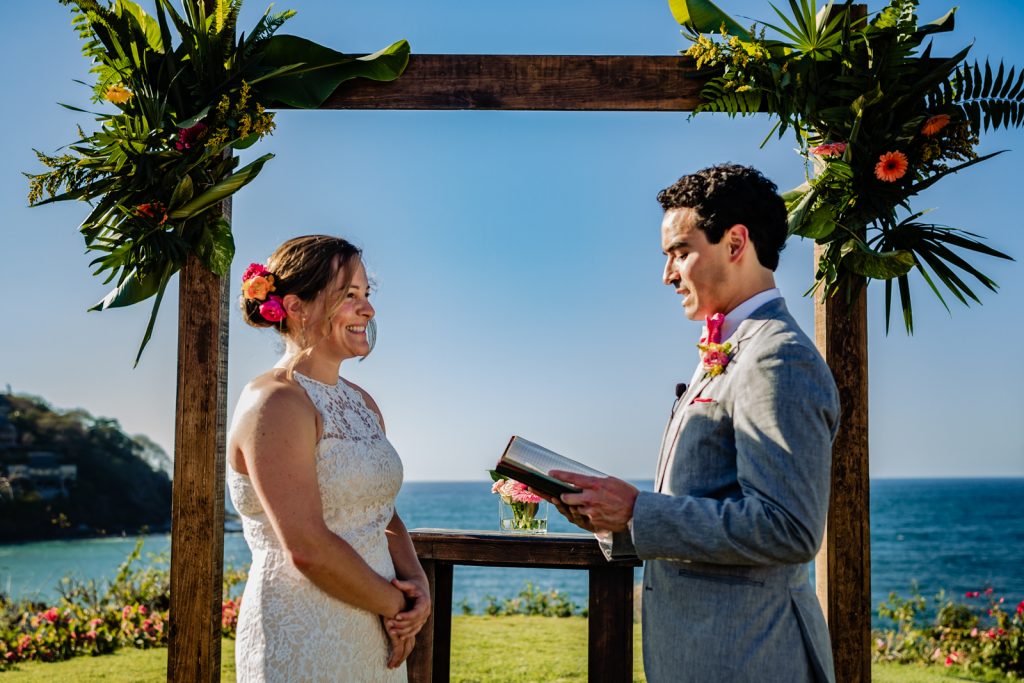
x=728, y=194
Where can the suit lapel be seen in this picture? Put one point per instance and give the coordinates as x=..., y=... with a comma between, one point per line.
x=747, y=329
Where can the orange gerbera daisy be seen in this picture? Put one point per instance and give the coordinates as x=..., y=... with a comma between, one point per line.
x=934, y=124
x=891, y=166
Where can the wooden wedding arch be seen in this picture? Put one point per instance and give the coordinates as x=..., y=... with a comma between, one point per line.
x=490, y=82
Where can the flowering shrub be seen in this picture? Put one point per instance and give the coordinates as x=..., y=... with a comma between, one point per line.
x=132, y=611
x=977, y=637
x=531, y=601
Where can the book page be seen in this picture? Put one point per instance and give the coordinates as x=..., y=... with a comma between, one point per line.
x=533, y=456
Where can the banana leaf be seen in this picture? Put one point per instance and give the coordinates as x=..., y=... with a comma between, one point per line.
x=216, y=247
x=863, y=260
x=221, y=190
x=132, y=290
x=320, y=70
x=704, y=16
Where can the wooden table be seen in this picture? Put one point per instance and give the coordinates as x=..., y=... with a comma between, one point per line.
x=610, y=644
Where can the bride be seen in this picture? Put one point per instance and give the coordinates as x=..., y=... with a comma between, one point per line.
x=335, y=591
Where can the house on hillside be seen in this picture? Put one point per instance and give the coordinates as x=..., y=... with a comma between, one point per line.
x=44, y=475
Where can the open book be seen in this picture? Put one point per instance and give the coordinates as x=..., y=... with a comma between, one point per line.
x=530, y=463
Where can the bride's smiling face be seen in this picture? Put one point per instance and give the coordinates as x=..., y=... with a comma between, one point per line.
x=350, y=311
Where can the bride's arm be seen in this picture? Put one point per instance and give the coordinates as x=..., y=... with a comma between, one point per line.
x=277, y=436
x=412, y=580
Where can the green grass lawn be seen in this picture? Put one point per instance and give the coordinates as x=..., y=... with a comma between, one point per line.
x=484, y=649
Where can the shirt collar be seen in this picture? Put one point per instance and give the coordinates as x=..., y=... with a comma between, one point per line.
x=746, y=309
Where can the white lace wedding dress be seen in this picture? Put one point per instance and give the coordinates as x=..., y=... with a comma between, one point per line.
x=288, y=629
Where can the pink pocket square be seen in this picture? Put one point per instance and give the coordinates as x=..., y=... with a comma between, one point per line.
x=703, y=400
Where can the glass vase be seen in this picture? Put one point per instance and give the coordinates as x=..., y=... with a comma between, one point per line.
x=523, y=518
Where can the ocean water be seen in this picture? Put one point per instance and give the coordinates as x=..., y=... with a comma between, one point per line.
x=956, y=535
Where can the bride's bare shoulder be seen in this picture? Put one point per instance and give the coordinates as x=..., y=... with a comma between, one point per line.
x=274, y=391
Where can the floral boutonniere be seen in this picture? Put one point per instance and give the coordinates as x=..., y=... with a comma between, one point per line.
x=713, y=353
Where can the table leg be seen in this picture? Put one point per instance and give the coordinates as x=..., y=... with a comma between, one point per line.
x=442, y=616
x=610, y=647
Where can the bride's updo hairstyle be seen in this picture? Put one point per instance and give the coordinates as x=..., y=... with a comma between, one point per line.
x=303, y=266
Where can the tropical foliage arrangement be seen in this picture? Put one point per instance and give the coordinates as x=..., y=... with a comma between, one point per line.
x=877, y=118
x=184, y=92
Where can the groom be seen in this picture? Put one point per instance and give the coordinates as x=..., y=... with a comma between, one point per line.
x=742, y=485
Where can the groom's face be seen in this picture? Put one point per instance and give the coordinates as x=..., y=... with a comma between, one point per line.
x=695, y=267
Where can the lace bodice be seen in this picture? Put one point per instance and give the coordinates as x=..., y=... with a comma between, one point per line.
x=289, y=630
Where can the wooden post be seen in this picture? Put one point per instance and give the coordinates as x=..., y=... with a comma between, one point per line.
x=842, y=569
x=197, y=507
x=843, y=565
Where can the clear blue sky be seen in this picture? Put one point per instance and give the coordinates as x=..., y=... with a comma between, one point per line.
x=517, y=253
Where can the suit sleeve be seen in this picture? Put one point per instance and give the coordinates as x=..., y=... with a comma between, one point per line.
x=784, y=419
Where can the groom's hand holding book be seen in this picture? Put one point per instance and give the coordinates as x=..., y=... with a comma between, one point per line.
x=586, y=497
x=603, y=503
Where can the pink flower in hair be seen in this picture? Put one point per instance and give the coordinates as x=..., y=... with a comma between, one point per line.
x=253, y=270
x=272, y=309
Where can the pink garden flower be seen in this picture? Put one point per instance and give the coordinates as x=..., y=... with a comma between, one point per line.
x=188, y=137
x=253, y=270
x=272, y=309
x=517, y=492
x=51, y=615
x=829, y=149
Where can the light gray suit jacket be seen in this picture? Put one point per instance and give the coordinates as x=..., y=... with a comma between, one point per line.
x=738, y=511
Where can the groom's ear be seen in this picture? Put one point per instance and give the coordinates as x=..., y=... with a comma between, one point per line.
x=737, y=241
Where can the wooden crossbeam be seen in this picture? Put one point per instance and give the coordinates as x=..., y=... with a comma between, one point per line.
x=531, y=82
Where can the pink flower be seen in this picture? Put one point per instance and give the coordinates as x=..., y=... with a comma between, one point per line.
x=972, y=594
x=829, y=149
x=517, y=492
x=95, y=622
x=1020, y=607
x=253, y=270
x=496, y=487
x=988, y=591
x=51, y=615
x=126, y=612
x=142, y=610
x=91, y=635
x=187, y=137
x=272, y=309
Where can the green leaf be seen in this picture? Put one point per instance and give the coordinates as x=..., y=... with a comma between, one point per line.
x=820, y=224
x=216, y=247
x=150, y=27
x=865, y=261
x=132, y=290
x=221, y=190
x=320, y=70
x=183, y=192
x=156, y=309
x=704, y=16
